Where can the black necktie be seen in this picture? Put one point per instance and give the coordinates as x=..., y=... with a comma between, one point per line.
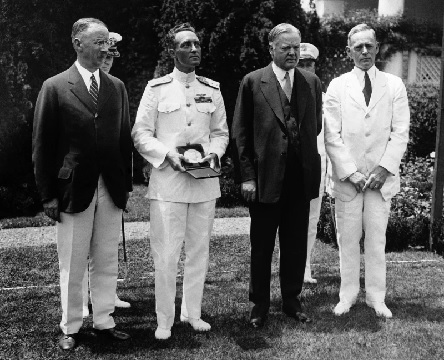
x=94, y=90
x=367, y=91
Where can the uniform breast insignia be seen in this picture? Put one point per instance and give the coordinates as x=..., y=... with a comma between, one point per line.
x=159, y=81
x=201, y=98
x=208, y=82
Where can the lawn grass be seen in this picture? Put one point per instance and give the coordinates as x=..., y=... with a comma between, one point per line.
x=29, y=317
x=138, y=210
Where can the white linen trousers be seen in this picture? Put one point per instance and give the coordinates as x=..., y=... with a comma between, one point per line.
x=368, y=211
x=172, y=224
x=94, y=231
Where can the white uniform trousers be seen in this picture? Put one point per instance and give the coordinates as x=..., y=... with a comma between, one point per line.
x=172, y=224
x=368, y=211
x=94, y=231
x=315, y=210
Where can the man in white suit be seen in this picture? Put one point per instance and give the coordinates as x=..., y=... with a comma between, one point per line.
x=366, y=132
x=177, y=110
x=307, y=61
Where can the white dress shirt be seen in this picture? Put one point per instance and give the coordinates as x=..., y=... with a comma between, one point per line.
x=360, y=74
x=86, y=75
x=280, y=74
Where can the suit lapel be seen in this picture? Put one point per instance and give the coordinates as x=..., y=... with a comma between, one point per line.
x=378, y=89
x=268, y=88
x=301, y=89
x=79, y=88
x=355, y=92
x=106, y=90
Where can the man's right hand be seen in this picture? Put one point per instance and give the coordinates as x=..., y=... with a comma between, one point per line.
x=51, y=208
x=248, y=190
x=175, y=160
x=358, y=180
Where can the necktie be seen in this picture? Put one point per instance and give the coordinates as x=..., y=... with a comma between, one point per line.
x=287, y=85
x=94, y=90
x=367, y=91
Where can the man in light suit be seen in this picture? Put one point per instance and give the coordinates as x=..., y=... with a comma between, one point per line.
x=277, y=118
x=307, y=61
x=366, y=132
x=176, y=110
x=82, y=162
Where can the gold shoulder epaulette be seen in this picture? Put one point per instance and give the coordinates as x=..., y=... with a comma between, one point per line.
x=209, y=82
x=159, y=81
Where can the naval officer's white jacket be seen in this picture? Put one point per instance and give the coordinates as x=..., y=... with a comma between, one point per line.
x=176, y=110
x=359, y=138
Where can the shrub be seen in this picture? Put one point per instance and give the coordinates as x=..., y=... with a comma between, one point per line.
x=423, y=103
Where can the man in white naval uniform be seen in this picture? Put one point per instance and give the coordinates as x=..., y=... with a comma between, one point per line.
x=307, y=61
x=179, y=109
x=366, y=132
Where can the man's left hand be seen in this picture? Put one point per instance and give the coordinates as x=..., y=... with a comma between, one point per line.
x=213, y=159
x=377, y=178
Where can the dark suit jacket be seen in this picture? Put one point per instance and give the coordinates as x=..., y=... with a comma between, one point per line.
x=260, y=142
x=73, y=144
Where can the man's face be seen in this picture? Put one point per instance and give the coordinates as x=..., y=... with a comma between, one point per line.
x=307, y=64
x=285, y=50
x=107, y=64
x=92, y=46
x=187, y=53
x=363, y=49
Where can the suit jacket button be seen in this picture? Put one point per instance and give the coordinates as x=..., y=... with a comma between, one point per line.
x=283, y=153
x=96, y=115
x=284, y=137
x=188, y=104
x=367, y=116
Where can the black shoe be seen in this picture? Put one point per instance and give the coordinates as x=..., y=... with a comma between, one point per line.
x=67, y=341
x=113, y=334
x=257, y=317
x=257, y=322
x=299, y=316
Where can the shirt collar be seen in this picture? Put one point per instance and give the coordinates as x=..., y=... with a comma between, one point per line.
x=86, y=75
x=280, y=73
x=184, y=77
x=361, y=73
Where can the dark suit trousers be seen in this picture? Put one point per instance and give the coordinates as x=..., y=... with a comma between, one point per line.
x=290, y=216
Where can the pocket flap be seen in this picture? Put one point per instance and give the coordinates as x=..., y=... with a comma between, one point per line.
x=207, y=108
x=167, y=107
x=64, y=173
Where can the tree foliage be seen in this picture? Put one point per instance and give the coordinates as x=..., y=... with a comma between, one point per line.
x=35, y=45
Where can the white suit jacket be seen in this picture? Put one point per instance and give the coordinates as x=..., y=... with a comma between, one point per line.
x=176, y=110
x=359, y=138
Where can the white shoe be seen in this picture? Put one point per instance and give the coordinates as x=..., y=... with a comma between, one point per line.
x=342, y=308
x=381, y=309
x=197, y=324
x=310, y=280
x=121, y=304
x=85, y=311
x=162, y=334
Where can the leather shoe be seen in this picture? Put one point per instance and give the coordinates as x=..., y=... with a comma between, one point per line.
x=113, y=334
x=67, y=341
x=257, y=322
x=299, y=316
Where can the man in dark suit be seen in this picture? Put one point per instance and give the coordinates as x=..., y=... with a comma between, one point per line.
x=277, y=118
x=82, y=162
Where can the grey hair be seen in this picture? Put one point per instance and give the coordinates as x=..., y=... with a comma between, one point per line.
x=280, y=29
x=359, y=28
x=82, y=25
